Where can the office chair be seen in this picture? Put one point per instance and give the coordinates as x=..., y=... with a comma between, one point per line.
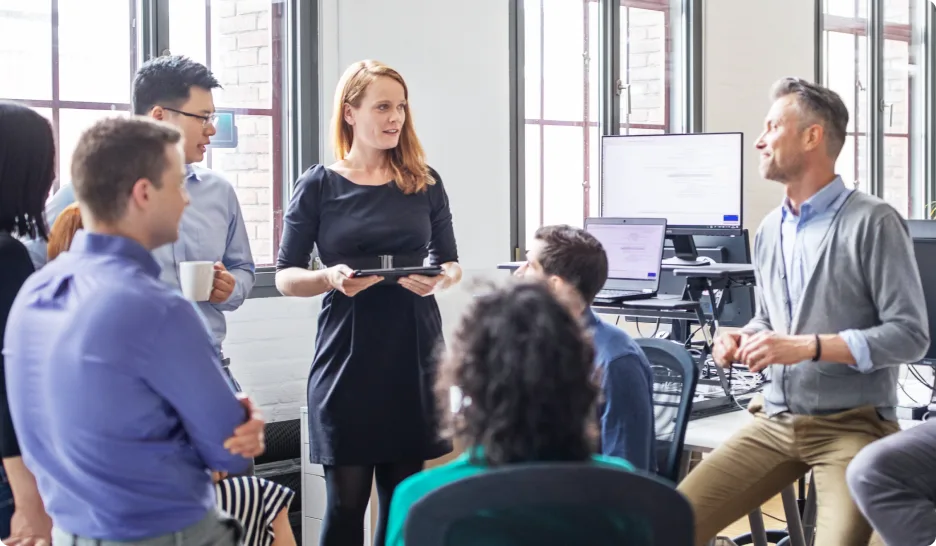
x=674, y=382
x=552, y=504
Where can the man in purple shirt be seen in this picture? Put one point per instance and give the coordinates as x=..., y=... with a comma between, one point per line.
x=115, y=387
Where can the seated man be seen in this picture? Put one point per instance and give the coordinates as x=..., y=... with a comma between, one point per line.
x=115, y=386
x=839, y=306
x=893, y=482
x=523, y=367
x=574, y=263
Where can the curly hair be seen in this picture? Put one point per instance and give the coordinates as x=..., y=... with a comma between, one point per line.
x=524, y=366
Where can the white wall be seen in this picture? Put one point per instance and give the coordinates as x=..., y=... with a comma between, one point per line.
x=459, y=94
x=748, y=45
x=458, y=83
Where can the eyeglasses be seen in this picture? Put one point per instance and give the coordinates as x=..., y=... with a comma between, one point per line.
x=211, y=118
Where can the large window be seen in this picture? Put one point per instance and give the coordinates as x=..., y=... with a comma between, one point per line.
x=76, y=65
x=875, y=54
x=568, y=80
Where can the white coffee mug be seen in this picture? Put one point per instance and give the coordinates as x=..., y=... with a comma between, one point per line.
x=197, y=280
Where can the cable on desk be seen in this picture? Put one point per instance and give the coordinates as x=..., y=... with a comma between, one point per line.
x=655, y=330
x=918, y=377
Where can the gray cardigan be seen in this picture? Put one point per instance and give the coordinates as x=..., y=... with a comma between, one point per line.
x=865, y=278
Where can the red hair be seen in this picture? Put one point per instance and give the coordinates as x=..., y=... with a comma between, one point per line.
x=407, y=160
x=63, y=231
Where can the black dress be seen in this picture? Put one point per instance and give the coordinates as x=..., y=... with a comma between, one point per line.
x=15, y=268
x=370, y=386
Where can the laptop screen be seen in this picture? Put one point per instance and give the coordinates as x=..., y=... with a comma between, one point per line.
x=635, y=250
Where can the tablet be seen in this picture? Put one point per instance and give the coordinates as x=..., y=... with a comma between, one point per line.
x=394, y=272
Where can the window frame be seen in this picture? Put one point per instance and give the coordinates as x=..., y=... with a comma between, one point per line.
x=878, y=31
x=295, y=28
x=609, y=100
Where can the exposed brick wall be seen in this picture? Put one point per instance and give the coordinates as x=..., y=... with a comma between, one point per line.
x=241, y=59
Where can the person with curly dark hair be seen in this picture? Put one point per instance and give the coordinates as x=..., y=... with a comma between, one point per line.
x=517, y=385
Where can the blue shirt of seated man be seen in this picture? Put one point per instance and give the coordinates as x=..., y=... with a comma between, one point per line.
x=626, y=411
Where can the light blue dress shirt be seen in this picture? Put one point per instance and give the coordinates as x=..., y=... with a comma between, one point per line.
x=117, y=394
x=212, y=229
x=801, y=239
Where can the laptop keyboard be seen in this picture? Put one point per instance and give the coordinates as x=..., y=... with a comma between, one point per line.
x=611, y=294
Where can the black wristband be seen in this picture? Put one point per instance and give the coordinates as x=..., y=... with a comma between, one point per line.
x=818, y=349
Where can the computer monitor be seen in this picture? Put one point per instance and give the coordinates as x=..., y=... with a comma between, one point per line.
x=723, y=249
x=635, y=249
x=924, y=247
x=692, y=180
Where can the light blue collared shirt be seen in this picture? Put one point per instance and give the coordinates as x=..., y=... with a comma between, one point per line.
x=801, y=237
x=212, y=229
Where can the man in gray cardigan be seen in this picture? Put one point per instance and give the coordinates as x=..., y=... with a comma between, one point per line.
x=839, y=307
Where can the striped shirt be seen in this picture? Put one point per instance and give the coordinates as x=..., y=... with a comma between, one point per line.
x=255, y=503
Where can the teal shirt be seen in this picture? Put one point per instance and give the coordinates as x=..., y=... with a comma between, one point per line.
x=419, y=485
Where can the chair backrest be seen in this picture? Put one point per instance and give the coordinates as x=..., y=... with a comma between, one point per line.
x=552, y=504
x=674, y=382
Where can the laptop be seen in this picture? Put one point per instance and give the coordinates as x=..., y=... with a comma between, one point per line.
x=635, y=256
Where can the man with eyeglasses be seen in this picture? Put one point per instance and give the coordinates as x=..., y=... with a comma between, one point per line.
x=178, y=90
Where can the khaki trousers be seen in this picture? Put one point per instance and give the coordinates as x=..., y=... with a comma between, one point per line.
x=769, y=454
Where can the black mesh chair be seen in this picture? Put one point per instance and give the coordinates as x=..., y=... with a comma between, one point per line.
x=674, y=382
x=558, y=504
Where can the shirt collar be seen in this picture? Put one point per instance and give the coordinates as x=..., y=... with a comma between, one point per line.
x=114, y=245
x=820, y=202
x=591, y=318
x=190, y=173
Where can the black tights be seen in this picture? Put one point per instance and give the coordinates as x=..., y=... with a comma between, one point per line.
x=348, y=490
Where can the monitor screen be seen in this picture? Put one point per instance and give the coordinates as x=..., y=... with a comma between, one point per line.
x=634, y=250
x=925, y=251
x=692, y=180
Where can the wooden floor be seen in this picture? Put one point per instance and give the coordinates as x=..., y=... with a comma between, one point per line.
x=773, y=507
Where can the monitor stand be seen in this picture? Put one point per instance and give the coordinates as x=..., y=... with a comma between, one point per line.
x=686, y=253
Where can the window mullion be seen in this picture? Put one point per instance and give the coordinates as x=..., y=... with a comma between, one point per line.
x=876, y=67
x=928, y=65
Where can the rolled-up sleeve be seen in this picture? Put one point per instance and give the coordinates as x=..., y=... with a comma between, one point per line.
x=887, y=258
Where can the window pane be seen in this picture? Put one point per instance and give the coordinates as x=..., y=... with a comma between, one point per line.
x=897, y=173
x=644, y=54
x=896, y=114
x=846, y=8
x=187, y=29
x=26, y=49
x=95, y=41
x=897, y=11
x=563, y=175
x=237, y=39
x=846, y=71
x=71, y=124
x=532, y=55
x=533, y=177
x=564, y=61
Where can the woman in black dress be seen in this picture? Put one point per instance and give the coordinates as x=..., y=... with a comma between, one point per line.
x=27, y=170
x=371, y=405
